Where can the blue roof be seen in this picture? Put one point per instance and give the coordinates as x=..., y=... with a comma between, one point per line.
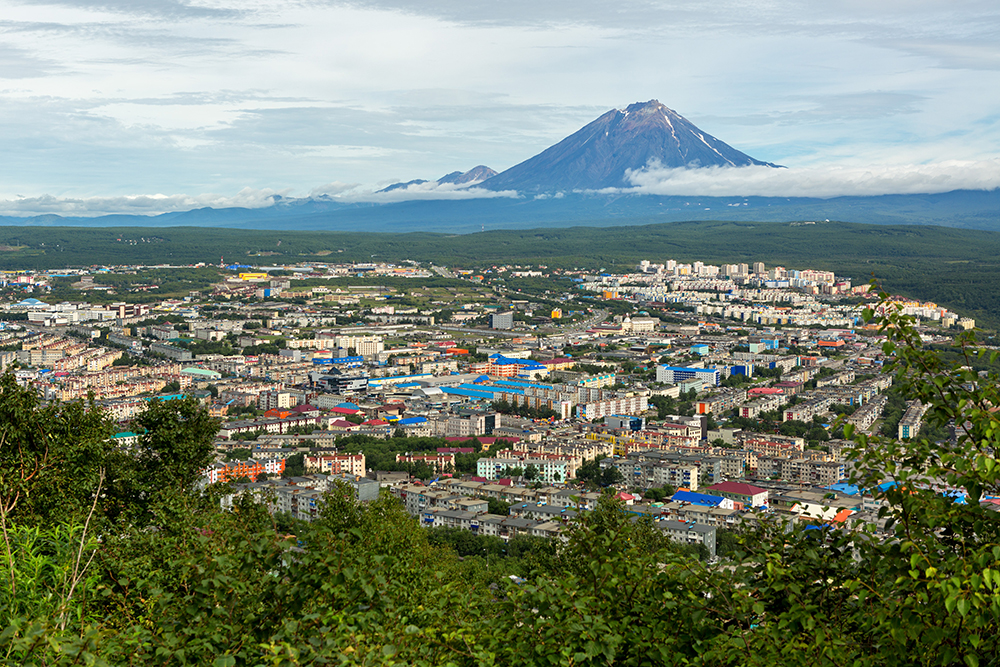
x=349, y=406
x=697, y=498
x=412, y=420
x=843, y=487
x=165, y=397
x=468, y=393
x=491, y=388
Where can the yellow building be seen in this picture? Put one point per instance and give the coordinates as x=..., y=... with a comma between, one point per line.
x=253, y=276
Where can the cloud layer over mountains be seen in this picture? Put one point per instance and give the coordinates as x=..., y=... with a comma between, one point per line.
x=821, y=182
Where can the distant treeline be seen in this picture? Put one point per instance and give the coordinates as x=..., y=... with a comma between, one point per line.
x=957, y=268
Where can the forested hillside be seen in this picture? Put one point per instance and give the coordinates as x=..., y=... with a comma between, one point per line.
x=114, y=558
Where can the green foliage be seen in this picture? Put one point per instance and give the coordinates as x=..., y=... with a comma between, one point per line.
x=795, y=427
x=894, y=409
x=43, y=570
x=176, y=442
x=594, y=477
x=51, y=457
x=497, y=506
x=263, y=348
x=737, y=381
x=197, y=347
x=239, y=454
x=727, y=543
x=590, y=473
x=295, y=465
x=666, y=405
x=659, y=494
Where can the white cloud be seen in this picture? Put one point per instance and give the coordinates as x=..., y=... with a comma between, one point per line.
x=246, y=198
x=430, y=190
x=135, y=204
x=332, y=189
x=825, y=182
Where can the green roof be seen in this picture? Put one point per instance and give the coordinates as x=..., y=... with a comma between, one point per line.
x=194, y=370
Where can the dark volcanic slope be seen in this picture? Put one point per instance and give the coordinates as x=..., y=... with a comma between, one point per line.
x=597, y=156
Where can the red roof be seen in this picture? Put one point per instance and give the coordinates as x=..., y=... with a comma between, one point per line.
x=842, y=516
x=344, y=411
x=765, y=390
x=738, y=488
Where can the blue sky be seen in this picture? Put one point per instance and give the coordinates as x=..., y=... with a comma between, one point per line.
x=141, y=106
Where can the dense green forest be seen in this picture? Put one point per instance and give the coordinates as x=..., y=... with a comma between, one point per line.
x=114, y=557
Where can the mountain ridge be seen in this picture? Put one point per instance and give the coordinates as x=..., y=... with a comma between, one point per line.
x=968, y=209
x=471, y=177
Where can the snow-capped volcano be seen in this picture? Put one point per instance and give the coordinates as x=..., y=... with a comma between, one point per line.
x=598, y=155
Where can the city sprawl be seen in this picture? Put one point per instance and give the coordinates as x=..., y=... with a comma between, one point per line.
x=496, y=399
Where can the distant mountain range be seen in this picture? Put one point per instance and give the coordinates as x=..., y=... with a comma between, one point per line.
x=582, y=180
x=472, y=177
x=970, y=209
